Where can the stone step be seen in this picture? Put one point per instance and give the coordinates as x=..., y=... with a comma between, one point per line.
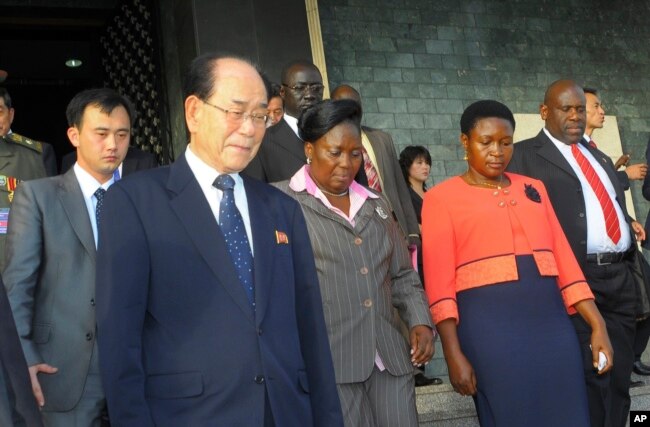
x=441, y=406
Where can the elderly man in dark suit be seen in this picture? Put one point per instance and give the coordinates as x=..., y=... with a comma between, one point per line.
x=50, y=273
x=209, y=309
x=590, y=204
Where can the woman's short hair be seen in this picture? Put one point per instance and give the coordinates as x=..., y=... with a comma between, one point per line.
x=482, y=110
x=322, y=117
x=409, y=155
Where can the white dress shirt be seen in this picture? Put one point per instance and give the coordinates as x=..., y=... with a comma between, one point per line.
x=206, y=175
x=597, y=238
x=88, y=186
x=292, y=122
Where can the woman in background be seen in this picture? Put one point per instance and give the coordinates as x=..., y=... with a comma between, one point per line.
x=501, y=277
x=415, y=162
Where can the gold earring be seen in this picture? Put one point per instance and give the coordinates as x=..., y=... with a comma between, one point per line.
x=465, y=156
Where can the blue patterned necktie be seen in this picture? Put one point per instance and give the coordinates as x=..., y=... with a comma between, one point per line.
x=99, y=195
x=232, y=227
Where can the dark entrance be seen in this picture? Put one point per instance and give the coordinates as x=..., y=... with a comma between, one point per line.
x=36, y=43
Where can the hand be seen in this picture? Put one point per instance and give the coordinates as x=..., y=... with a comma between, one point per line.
x=600, y=342
x=622, y=161
x=36, y=386
x=461, y=374
x=637, y=172
x=638, y=230
x=421, y=338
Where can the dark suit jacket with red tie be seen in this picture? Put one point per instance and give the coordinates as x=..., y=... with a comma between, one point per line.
x=539, y=158
x=180, y=344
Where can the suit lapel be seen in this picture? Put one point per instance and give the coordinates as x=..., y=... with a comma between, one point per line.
x=263, y=231
x=361, y=219
x=74, y=205
x=286, y=139
x=310, y=202
x=189, y=204
x=365, y=214
x=549, y=151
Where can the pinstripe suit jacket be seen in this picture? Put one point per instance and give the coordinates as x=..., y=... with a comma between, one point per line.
x=363, y=272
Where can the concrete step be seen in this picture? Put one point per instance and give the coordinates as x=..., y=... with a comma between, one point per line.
x=441, y=406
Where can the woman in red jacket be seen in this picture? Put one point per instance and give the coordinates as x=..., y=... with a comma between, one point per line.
x=501, y=278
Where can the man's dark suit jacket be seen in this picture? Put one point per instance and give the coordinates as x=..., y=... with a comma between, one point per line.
x=394, y=186
x=13, y=364
x=180, y=344
x=539, y=158
x=135, y=160
x=281, y=154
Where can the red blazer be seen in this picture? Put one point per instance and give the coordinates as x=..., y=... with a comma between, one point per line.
x=468, y=242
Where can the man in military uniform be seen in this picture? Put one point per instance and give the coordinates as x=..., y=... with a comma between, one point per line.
x=21, y=159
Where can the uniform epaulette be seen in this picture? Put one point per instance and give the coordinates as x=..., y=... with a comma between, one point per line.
x=24, y=141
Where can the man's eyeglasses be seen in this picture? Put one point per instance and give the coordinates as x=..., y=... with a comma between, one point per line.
x=303, y=87
x=239, y=117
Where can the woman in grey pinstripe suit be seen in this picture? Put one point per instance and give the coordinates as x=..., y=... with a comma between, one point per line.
x=364, y=271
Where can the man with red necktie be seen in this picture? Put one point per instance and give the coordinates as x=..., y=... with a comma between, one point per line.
x=590, y=205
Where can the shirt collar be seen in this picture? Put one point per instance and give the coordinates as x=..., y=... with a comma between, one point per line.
x=559, y=144
x=302, y=181
x=204, y=173
x=88, y=183
x=292, y=122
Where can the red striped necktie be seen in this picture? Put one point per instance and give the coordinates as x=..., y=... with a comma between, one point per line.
x=371, y=172
x=609, y=212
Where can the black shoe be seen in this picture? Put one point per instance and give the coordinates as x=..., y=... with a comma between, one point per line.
x=641, y=368
x=637, y=384
x=421, y=380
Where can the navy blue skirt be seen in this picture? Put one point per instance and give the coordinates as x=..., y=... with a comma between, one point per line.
x=524, y=351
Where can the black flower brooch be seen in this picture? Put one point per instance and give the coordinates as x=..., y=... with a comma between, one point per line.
x=532, y=193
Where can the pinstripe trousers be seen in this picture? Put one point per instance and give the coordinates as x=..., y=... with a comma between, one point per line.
x=383, y=400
